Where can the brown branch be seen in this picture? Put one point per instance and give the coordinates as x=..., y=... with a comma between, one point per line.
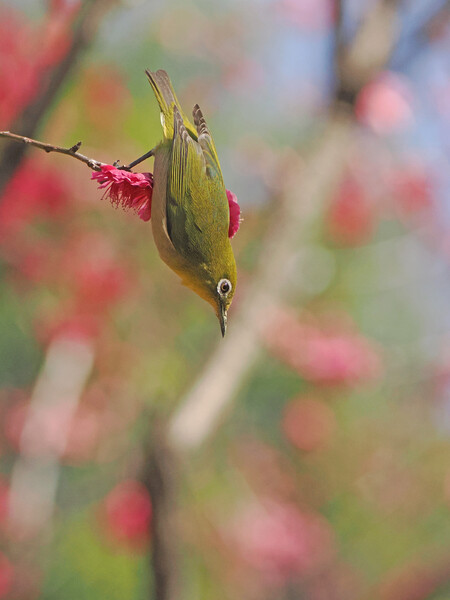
x=73, y=151
x=368, y=52
x=28, y=121
x=160, y=479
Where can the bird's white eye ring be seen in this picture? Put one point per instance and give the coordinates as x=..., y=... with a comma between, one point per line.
x=224, y=287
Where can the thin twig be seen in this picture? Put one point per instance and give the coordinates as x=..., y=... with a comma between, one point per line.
x=93, y=164
x=136, y=162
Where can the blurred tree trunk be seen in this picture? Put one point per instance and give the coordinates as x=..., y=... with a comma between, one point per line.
x=160, y=479
x=29, y=121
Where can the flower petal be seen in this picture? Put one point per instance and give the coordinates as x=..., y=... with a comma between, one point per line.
x=127, y=189
x=235, y=214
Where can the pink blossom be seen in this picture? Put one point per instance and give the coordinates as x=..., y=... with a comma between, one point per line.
x=134, y=190
x=30, y=50
x=280, y=541
x=385, y=104
x=350, y=218
x=91, y=268
x=327, y=355
x=126, y=514
x=235, y=214
x=127, y=189
x=34, y=191
x=16, y=52
x=411, y=186
x=6, y=576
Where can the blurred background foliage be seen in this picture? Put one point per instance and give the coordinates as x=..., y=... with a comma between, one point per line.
x=328, y=476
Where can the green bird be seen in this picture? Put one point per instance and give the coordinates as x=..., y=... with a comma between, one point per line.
x=190, y=212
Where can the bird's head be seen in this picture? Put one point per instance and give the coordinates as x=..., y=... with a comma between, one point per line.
x=215, y=283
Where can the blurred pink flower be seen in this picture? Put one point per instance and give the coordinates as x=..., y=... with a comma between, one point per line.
x=350, y=218
x=16, y=50
x=126, y=515
x=90, y=280
x=32, y=263
x=89, y=267
x=385, y=104
x=35, y=191
x=235, y=214
x=127, y=189
x=308, y=423
x=6, y=576
x=30, y=50
x=332, y=355
x=411, y=187
x=98, y=278
x=280, y=541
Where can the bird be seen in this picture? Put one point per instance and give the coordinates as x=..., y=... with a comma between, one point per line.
x=190, y=212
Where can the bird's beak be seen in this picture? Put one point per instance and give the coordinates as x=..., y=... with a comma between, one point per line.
x=223, y=319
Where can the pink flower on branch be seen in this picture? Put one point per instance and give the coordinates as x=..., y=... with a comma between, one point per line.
x=235, y=214
x=127, y=189
x=134, y=190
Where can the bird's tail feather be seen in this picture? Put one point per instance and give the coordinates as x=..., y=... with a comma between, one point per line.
x=163, y=89
x=166, y=97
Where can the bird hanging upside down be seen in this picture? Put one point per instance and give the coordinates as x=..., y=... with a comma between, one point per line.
x=190, y=212
x=193, y=215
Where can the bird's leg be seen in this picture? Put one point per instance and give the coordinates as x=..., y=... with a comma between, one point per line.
x=139, y=160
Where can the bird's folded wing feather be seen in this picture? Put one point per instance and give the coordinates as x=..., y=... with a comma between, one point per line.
x=197, y=207
x=207, y=144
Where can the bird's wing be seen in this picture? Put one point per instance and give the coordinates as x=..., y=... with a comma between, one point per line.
x=197, y=206
x=207, y=144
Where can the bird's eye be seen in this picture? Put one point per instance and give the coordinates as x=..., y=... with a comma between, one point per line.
x=224, y=287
